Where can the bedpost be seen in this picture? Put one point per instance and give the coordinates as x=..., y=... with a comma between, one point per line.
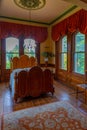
x=15, y=87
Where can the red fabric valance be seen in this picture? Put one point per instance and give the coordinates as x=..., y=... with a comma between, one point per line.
x=77, y=21
x=39, y=34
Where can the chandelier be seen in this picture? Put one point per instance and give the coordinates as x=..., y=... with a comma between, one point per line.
x=30, y=4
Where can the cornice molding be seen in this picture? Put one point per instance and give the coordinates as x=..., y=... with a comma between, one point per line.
x=43, y=23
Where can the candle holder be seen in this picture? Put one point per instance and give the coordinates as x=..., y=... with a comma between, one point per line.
x=46, y=61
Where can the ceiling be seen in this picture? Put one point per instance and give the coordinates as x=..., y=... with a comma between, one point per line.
x=54, y=10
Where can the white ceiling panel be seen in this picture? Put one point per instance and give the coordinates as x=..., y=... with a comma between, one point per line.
x=52, y=10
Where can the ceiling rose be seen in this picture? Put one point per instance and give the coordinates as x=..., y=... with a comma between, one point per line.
x=30, y=4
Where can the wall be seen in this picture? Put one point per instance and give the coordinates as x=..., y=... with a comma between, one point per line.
x=50, y=47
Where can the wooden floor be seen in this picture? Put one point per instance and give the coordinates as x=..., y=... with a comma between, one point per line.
x=62, y=93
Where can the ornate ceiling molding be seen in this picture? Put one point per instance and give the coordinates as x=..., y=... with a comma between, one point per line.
x=30, y=4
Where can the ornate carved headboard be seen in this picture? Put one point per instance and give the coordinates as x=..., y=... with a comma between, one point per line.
x=23, y=62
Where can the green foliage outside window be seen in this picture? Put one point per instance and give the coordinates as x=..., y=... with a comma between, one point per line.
x=29, y=53
x=29, y=47
x=64, y=61
x=63, y=54
x=12, y=50
x=79, y=55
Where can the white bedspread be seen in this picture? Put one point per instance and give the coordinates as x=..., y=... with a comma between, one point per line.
x=12, y=79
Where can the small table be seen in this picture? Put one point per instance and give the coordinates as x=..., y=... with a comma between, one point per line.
x=81, y=86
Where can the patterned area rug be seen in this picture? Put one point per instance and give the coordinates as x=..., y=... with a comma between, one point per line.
x=53, y=116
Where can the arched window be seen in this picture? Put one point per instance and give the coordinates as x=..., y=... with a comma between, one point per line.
x=12, y=50
x=63, y=53
x=30, y=47
x=79, y=53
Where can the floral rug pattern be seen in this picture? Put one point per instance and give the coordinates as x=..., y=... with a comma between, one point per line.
x=53, y=116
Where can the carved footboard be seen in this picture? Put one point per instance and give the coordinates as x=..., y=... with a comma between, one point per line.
x=21, y=89
x=33, y=83
x=48, y=81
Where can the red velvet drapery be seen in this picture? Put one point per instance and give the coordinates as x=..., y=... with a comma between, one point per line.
x=39, y=34
x=77, y=21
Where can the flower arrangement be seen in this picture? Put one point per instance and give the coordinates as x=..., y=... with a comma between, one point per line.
x=47, y=54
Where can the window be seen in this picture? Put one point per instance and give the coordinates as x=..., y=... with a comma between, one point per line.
x=12, y=50
x=79, y=53
x=63, y=53
x=29, y=47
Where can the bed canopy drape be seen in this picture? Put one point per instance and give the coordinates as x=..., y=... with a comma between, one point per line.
x=38, y=33
x=77, y=21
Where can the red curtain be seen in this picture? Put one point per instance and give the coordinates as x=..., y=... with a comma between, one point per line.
x=39, y=34
x=59, y=30
x=83, y=22
x=77, y=21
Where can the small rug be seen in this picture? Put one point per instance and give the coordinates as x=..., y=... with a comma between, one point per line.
x=31, y=102
x=53, y=116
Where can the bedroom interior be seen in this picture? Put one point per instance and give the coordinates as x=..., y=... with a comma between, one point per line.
x=37, y=90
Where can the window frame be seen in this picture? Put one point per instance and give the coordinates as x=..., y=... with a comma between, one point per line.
x=76, y=52
x=63, y=52
x=11, y=52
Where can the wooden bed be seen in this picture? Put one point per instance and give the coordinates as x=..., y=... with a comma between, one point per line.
x=23, y=61
x=28, y=79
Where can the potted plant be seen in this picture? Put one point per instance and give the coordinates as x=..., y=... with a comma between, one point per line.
x=47, y=55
